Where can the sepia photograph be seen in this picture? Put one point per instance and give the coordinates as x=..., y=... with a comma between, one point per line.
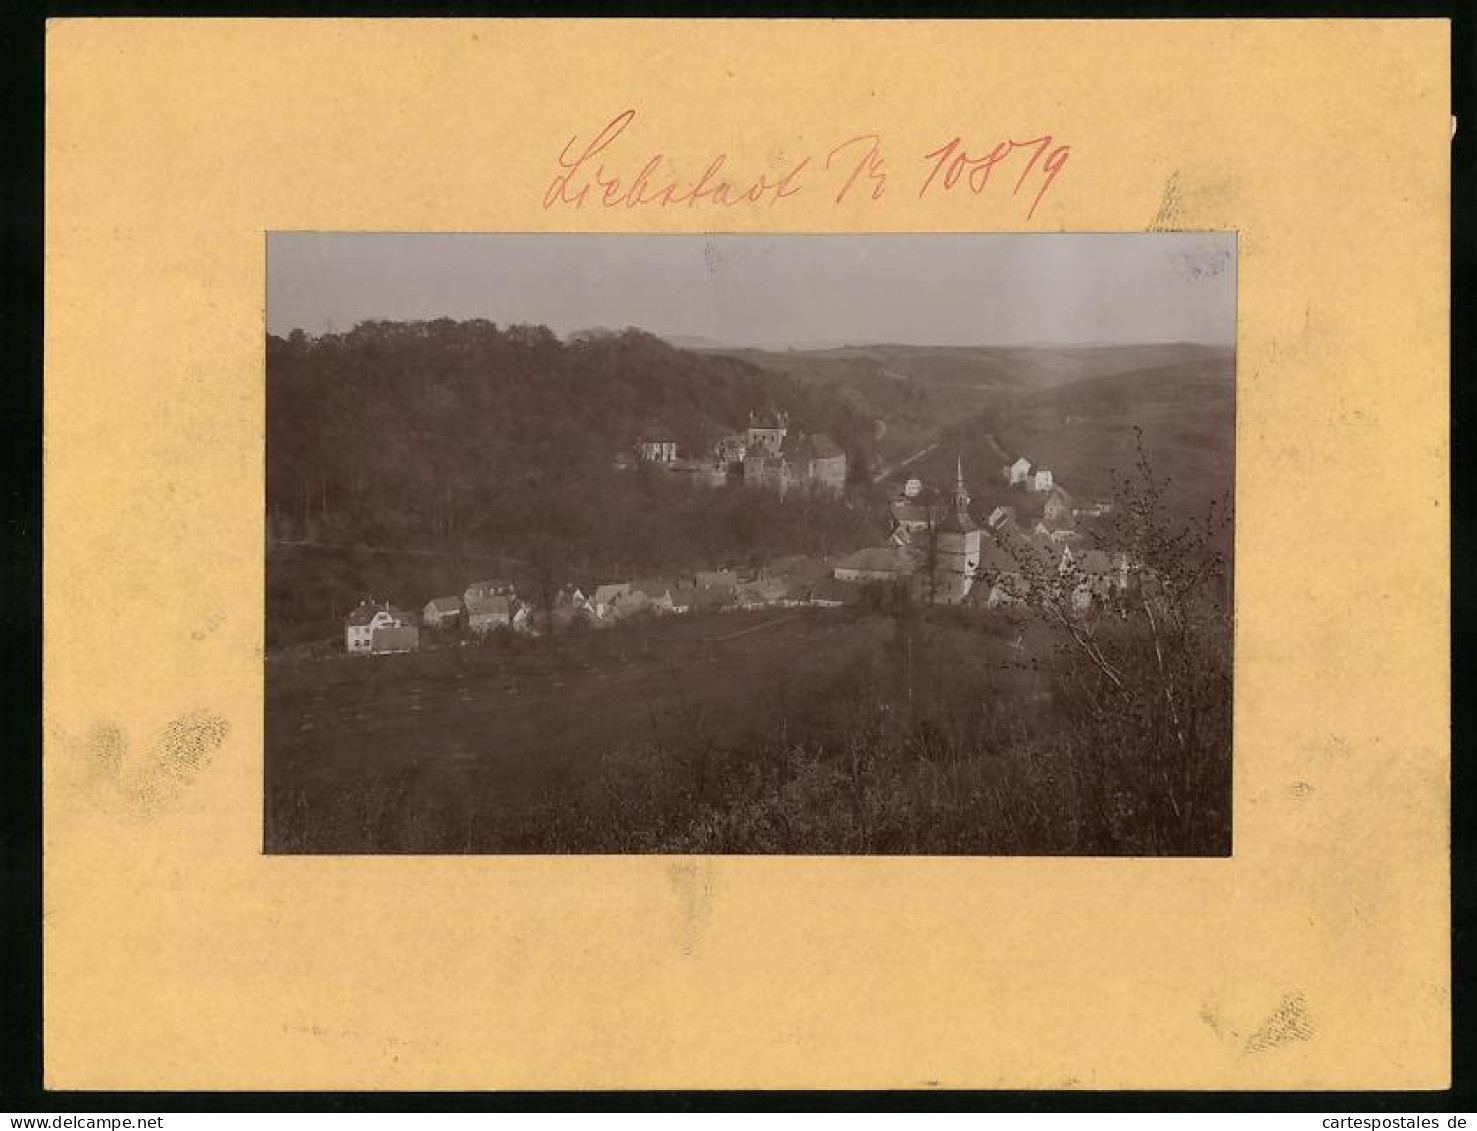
x=892, y=544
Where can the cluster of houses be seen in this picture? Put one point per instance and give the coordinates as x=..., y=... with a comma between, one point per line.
x=936, y=550
x=1019, y=474
x=485, y=606
x=944, y=556
x=769, y=455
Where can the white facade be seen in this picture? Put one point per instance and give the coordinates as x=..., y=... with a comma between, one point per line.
x=1042, y=481
x=659, y=451
x=1020, y=470
x=360, y=637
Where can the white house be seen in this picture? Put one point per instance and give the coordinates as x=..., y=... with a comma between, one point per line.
x=366, y=626
x=657, y=451
x=1042, y=480
x=911, y=488
x=1019, y=471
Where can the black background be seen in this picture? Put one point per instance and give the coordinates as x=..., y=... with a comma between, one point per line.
x=22, y=32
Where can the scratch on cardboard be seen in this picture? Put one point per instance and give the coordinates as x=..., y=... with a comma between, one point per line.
x=1170, y=206
x=693, y=883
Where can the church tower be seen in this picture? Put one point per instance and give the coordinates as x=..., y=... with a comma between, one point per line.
x=958, y=547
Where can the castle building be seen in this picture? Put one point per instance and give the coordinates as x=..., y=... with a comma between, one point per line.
x=767, y=432
x=779, y=460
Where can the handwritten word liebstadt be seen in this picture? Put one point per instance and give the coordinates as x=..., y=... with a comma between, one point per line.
x=603, y=172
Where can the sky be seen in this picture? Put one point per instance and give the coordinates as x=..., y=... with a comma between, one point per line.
x=771, y=290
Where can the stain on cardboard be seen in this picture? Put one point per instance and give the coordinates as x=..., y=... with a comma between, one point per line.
x=207, y=627
x=1289, y=1022
x=116, y=780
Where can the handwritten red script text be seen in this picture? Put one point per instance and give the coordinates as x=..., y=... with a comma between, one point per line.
x=607, y=171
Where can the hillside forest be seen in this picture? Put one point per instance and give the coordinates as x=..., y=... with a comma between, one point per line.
x=471, y=449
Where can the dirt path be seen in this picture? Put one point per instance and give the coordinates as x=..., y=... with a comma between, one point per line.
x=757, y=627
x=914, y=458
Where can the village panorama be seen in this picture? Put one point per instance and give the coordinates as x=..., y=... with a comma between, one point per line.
x=590, y=590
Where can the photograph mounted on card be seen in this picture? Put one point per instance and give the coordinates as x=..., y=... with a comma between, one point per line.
x=801, y=544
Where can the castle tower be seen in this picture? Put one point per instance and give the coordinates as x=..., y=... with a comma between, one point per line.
x=767, y=430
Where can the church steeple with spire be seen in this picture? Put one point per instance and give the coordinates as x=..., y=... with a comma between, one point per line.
x=957, y=556
x=959, y=521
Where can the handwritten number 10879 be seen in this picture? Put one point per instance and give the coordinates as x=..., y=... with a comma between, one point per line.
x=600, y=172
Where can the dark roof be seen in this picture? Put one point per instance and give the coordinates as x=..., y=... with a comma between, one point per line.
x=1025, y=550
x=1095, y=561
x=706, y=578
x=490, y=606
x=913, y=513
x=832, y=589
x=1062, y=522
x=957, y=521
x=994, y=557
x=892, y=559
x=652, y=586
x=1059, y=493
x=363, y=614
x=395, y=637
x=495, y=586
x=799, y=568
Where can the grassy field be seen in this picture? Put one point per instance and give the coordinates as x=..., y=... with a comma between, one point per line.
x=508, y=725
x=504, y=729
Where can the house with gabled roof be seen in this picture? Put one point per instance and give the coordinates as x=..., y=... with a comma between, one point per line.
x=762, y=591
x=380, y=627
x=487, y=613
x=603, y=599
x=443, y=612
x=656, y=443
x=654, y=592
x=878, y=563
x=1001, y=516
x=1058, y=507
